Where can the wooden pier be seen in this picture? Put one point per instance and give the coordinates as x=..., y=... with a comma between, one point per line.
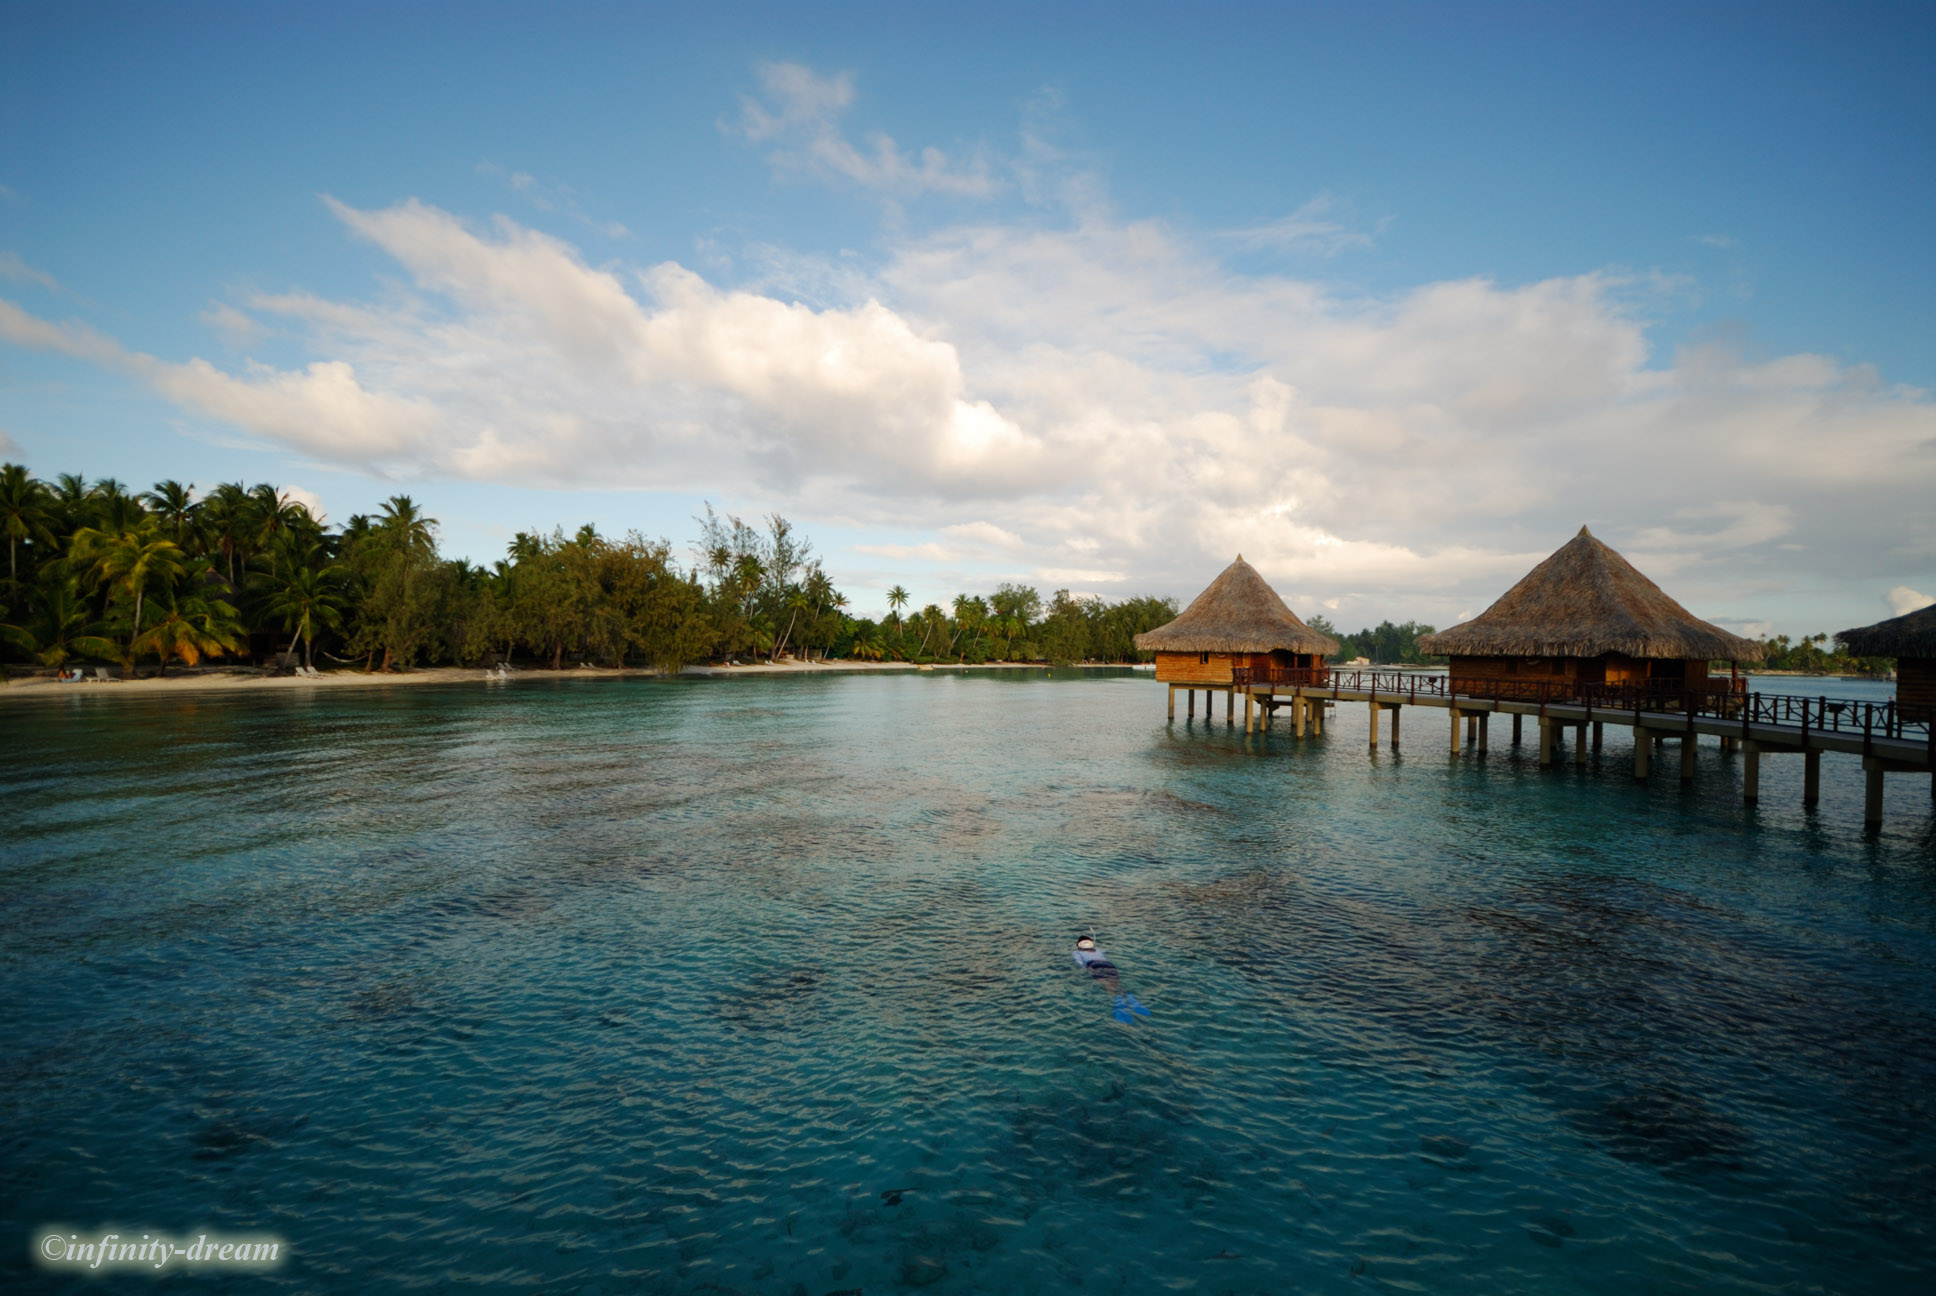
x=1756, y=725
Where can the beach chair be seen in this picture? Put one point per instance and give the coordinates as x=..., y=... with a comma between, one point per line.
x=101, y=675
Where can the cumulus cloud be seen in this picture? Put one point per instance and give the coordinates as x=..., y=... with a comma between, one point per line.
x=1092, y=402
x=1902, y=600
x=797, y=120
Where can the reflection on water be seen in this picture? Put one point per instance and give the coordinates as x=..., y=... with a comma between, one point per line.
x=764, y=986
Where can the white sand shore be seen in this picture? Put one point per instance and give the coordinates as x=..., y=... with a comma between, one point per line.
x=245, y=680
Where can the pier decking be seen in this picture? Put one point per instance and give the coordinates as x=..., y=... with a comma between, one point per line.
x=1755, y=724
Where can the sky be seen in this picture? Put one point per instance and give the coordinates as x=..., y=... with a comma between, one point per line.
x=1391, y=299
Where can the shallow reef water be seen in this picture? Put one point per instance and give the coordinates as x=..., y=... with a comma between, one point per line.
x=764, y=986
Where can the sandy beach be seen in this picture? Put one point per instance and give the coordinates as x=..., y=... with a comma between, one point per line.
x=247, y=679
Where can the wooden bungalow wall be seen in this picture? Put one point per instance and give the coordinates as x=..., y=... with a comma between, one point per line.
x=1916, y=687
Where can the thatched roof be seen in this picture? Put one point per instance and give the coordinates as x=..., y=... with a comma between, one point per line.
x=1584, y=601
x=1239, y=613
x=1910, y=635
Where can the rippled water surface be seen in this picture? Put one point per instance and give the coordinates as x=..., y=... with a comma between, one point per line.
x=763, y=985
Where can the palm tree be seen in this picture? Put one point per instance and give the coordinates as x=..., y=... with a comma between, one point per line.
x=24, y=514
x=406, y=527
x=796, y=604
x=129, y=562
x=897, y=598
x=226, y=513
x=190, y=627
x=306, y=599
x=62, y=632
x=174, y=504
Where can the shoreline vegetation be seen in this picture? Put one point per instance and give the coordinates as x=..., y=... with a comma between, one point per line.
x=99, y=578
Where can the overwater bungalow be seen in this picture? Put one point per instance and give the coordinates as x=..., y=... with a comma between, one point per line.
x=1585, y=622
x=1238, y=622
x=1911, y=640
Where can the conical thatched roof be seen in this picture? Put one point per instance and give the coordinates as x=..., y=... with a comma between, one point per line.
x=1584, y=601
x=1239, y=613
x=1910, y=635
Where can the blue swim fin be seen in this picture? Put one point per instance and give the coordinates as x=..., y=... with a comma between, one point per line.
x=1135, y=1005
x=1122, y=1011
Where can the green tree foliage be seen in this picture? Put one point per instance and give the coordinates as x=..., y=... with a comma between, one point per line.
x=1388, y=644
x=1816, y=655
x=96, y=573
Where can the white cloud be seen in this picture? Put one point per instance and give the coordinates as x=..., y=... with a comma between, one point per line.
x=798, y=120
x=308, y=499
x=1098, y=401
x=1320, y=226
x=550, y=197
x=1902, y=600
x=8, y=446
x=236, y=328
x=12, y=267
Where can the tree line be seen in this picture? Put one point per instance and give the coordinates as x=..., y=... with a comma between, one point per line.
x=97, y=573
x=1388, y=644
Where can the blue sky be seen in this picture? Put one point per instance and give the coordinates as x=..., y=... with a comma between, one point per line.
x=1391, y=298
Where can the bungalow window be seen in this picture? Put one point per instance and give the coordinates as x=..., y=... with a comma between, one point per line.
x=1203, y=659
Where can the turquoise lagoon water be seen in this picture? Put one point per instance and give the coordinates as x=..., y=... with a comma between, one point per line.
x=763, y=985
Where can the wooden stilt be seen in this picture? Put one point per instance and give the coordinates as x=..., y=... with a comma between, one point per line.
x=1751, y=772
x=1687, y=758
x=1485, y=724
x=1456, y=718
x=1811, y=778
x=1374, y=726
x=1599, y=733
x=1579, y=744
x=1229, y=707
x=1546, y=731
x=1516, y=719
x=1191, y=713
x=1317, y=719
x=1298, y=717
x=1872, y=796
x=1172, y=701
x=1250, y=711
x=1643, y=749
x=1472, y=729
x=1395, y=713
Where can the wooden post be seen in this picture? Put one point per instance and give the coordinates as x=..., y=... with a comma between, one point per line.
x=1751, y=772
x=1643, y=749
x=1297, y=714
x=1456, y=717
x=1250, y=711
x=1599, y=733
x=1485, y=723
x=1687, y=758
x=1396, y=710
x=1191, y=714
x=1374, y=725
x=1579, y=743
x=1472, y=729
x=1172, y=701
x=1546, y=728
x=1811, y=778
x=1872, y=797
x=1229, y=706
x=1317, y=719
x=1516, y=719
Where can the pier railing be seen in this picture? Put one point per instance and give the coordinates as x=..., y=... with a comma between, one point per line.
x=1726, y=699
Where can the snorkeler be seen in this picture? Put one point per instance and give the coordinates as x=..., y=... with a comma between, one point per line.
x=1128, y=1006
